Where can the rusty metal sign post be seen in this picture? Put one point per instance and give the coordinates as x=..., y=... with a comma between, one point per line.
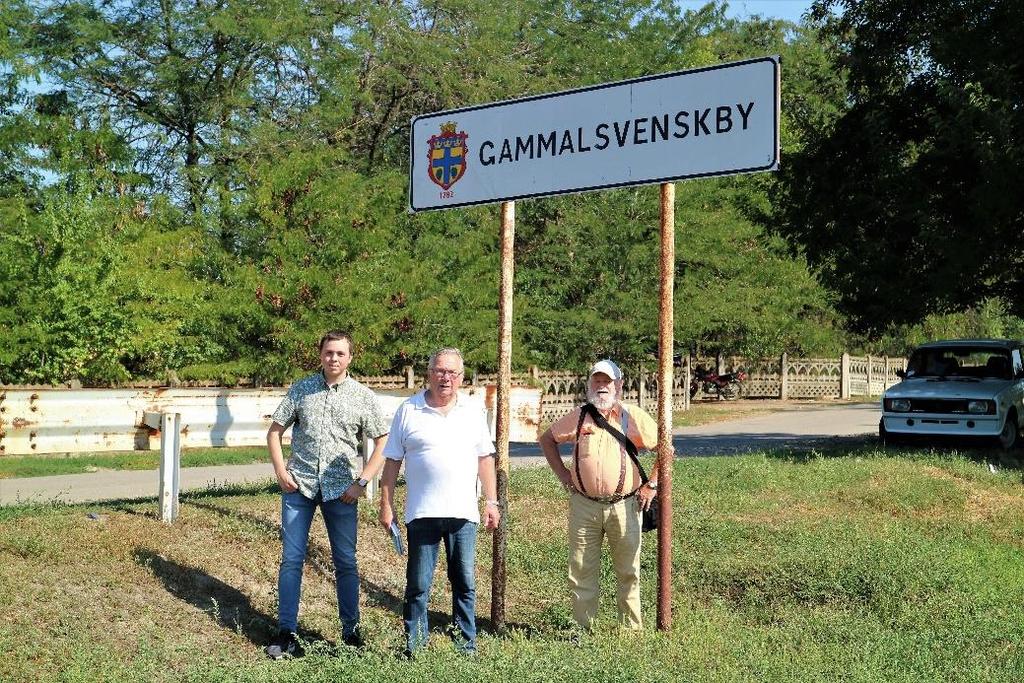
x=666, y=347
x=498, y=571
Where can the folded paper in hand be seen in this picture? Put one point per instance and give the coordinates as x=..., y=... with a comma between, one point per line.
x=396, y=538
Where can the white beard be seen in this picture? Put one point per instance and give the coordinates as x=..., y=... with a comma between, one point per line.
x=603, y=402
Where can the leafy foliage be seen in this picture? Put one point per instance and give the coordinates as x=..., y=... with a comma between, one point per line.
x=246, y=168
x=63, y=303
x=906, y=198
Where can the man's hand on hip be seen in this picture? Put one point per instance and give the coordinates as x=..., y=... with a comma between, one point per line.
x=353, y=493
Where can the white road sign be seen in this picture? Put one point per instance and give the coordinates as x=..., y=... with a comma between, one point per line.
x=717, y=120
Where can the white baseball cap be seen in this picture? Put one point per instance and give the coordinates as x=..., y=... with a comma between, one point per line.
x=607, y=367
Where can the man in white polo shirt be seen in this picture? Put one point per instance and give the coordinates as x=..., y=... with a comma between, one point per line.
x=446, y=445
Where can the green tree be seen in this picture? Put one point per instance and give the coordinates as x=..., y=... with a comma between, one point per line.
x=184, y=80
x=61, y=304
x=248, y=186
x=907, y=200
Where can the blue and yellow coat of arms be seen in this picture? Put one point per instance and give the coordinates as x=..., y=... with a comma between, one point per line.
x=447, y=156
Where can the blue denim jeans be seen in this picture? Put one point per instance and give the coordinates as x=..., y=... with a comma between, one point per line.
x=340, y=519
x=425, y=537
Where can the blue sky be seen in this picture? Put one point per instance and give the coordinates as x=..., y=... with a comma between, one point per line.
x=775, y=9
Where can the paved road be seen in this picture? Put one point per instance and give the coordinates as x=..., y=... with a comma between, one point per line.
x=122, y=484
x=796, y=426
x=799, y=426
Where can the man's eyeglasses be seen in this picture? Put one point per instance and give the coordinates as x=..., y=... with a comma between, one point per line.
x=443, y=372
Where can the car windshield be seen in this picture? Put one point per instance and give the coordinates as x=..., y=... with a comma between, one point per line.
x=960, y=361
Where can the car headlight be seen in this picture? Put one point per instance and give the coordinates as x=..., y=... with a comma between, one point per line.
x=898, y=405
x=981, y=407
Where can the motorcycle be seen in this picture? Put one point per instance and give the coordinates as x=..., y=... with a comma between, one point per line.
x=725, y=386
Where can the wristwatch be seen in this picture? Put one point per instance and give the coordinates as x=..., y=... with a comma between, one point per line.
x=651, y=484
x=363, y=482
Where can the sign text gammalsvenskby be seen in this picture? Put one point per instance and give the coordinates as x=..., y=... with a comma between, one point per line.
x=717, y=120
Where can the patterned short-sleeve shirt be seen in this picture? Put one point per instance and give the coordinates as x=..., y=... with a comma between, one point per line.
x=328, y=424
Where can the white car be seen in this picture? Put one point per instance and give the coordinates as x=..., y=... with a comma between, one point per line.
x=959, y=388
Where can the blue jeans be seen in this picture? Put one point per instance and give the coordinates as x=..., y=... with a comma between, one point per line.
x=459, y=538
x=340, y=520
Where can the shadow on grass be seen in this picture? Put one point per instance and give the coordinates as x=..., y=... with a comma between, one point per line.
x=318, y=557
x=911, y=448
x=773, y=444
x=225, y=604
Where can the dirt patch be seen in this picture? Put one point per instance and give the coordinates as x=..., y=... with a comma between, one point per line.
x=784, y=514
x=982, y=504
x=939, y=473
x=992, y=505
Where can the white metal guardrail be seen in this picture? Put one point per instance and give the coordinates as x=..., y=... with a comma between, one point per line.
x=88, y=420
x=91, y=420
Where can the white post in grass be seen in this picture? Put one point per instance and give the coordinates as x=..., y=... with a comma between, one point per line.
x=170, y=465
x=371, y=487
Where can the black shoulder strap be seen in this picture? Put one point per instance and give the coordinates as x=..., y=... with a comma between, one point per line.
x=600, y=421
x=576, y=450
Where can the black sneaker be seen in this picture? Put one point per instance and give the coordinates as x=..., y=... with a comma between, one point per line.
x=354, y=639
x=284, y=645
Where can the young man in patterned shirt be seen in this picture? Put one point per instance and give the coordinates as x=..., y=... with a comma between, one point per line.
x=331, y=414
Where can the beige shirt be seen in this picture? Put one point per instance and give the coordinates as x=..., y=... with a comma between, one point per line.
x=598, y=462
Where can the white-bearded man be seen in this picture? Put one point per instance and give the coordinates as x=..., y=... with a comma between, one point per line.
x=606, y=494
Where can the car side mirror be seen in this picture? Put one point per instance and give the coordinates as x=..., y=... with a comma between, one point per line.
x=902, y=374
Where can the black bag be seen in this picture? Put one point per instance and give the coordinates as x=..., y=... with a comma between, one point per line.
x=650, y=516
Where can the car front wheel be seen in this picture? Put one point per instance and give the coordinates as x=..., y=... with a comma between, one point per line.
x=887, y=438
x=1010, y=436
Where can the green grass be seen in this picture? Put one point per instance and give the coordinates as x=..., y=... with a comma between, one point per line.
x=851, y=565
x=45, y=465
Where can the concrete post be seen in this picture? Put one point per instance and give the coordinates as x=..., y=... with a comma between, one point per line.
x=641, y=390
x=686, y=385
x=410, y=377
x=844, y=376
x=871, y=391
x=784, y=370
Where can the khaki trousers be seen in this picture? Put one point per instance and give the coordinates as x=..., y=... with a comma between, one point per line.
x=589, y=523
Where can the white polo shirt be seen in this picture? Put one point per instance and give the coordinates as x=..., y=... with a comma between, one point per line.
x=441, y=454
